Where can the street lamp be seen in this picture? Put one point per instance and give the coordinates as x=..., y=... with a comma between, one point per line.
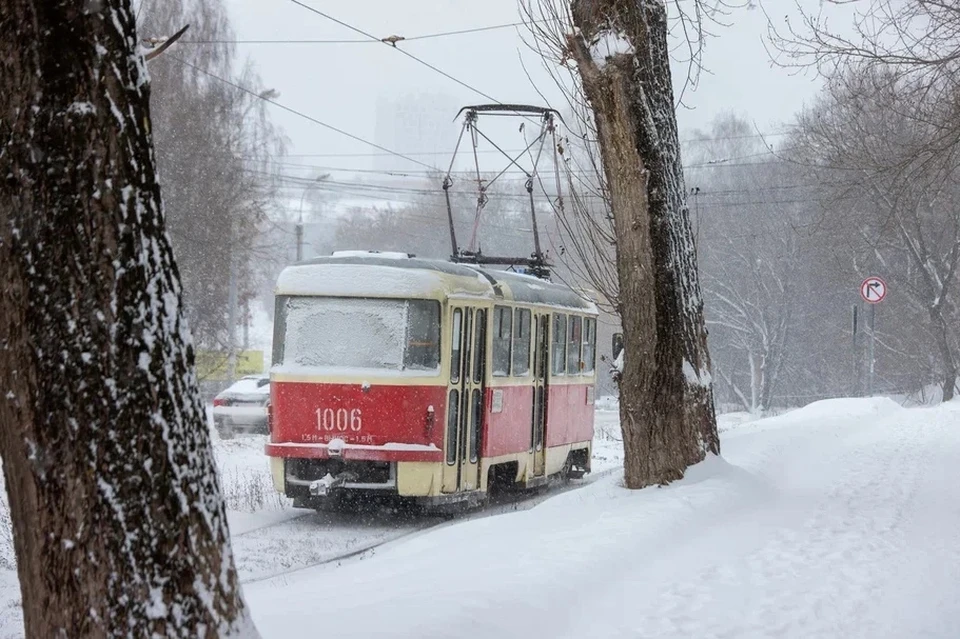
x=318, y=180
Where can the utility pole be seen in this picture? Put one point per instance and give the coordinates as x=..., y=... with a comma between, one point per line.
x=695, y=192
x=246, y=324
x=232, y=318
x=300, y=238
x=318, y=180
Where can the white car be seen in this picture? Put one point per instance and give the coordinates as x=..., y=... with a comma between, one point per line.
x=242, y=407
x=607, y=403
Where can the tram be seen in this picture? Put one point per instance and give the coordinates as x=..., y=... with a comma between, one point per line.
x=426, y=381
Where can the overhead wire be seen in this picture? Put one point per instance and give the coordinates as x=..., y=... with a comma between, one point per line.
x=414, y=174
x=343, y=186
x=389, y=152
x=466, y=172
x=407, y=214
x=481, y=199
x=426, y=36
x=303, y=115
x=493, y=27
x=404, y=52
x=432, y=169
x=361, y=189
x=495, y=151
x=354, y=41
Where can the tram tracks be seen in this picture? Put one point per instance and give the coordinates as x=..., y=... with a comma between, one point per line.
x=358, y=553
x=372, y=534
x=272, y=524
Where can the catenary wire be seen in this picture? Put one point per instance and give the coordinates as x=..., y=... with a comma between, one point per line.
x=426, y=36
x=304, y=115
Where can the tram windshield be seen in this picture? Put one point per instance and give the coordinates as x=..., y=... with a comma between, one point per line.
x=359, y=333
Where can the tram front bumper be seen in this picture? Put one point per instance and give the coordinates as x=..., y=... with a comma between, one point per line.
x=404, y=479
x=328, y=483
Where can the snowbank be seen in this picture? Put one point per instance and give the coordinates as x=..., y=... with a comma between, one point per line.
x=838, y=520
x=856, y=407
x=730, y=421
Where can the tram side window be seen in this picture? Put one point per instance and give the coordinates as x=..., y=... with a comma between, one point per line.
x=521, y=343
x=574, y=328
x=502, y=340
x=453, y=424
x=559, y=344
x=480, y=346
x=423, y=335
x=589, y=345
x=476, y=425
x=456, y=346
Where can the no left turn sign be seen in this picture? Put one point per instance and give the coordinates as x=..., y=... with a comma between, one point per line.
x=873, y=290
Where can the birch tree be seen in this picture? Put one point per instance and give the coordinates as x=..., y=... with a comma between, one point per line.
x=118, y=522
x=752, y=252
x=621, y=54
x=750, y=309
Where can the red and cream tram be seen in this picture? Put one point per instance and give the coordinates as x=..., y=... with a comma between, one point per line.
x=426, y=380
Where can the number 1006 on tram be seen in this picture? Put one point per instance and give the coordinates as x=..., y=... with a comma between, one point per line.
x=426, y=381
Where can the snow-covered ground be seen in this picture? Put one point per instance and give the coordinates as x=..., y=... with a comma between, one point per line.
x=270, y=537
x=841, y=519
x=264, y=549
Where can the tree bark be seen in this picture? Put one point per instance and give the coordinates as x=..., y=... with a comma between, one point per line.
x=118, y=522
x=667, y=413
x=942, y=332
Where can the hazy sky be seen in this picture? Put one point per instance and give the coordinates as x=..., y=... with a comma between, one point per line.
x=341, y=83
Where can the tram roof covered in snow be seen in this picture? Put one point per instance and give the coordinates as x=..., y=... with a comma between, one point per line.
x=397, y=275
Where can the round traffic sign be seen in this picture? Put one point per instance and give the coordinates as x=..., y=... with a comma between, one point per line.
x=873, y=290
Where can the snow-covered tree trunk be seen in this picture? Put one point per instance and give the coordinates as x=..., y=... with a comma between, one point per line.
x=666, y=407
x=941, y=330
x=118, y=522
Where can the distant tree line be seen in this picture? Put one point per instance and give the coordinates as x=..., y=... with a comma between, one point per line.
x=863, y=182
x=216, y=150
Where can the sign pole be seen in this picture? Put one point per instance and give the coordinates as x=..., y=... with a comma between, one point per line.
x=873, y=290
x=872, y=350
x=857, y=355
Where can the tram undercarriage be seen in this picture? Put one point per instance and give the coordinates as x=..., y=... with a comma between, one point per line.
x=354, y=485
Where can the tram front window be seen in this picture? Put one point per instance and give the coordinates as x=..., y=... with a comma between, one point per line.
x=355, y=333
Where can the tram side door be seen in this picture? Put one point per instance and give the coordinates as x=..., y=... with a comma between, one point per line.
x=471, y=413
x=464, y=399
x=541, y=372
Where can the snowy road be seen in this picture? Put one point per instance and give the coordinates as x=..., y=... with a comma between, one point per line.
x=275, y=542
x=272, y=541
x=838, y=520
